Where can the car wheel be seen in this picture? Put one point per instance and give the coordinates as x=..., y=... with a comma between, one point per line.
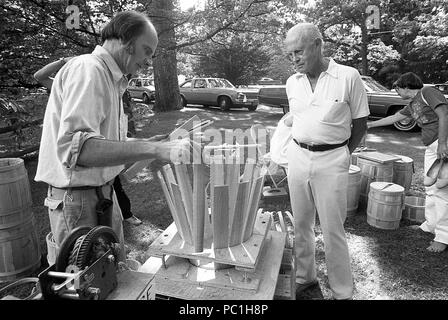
x=146, y=99
x=407, y=124
x=224, y=103
x=252, y=108
x=184, y=101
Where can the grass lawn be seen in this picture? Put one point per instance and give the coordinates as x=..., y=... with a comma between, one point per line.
x=386, y=264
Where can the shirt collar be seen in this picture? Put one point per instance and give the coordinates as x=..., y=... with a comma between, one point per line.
x=332, y=70
x=115, y=70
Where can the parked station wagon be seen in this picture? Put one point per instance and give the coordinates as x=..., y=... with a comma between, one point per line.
x=142, y=88
x=218, y=92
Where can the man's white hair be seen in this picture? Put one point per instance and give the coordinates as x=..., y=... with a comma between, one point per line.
x=305, y=31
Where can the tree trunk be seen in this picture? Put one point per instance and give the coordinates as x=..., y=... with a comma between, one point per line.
x=167, y=95
x=364, y=50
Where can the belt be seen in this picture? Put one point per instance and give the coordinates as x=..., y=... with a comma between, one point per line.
x=320, y=147
x=83, y=187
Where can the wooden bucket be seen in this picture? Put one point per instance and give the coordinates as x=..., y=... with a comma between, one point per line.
x=385, y=205
x=403, y=170
x=19, y=244
x=414, y=209
x=353, y=189
x=372, y=171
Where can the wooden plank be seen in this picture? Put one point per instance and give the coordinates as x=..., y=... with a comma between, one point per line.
x=267, y=271
x=199, y=208
x=237, y=227
x=251, y=212
x=186, y=190
x=167, y=172
x=132, y=171
x=180, y=270
x=248, y=170
x=220, y=217
x=231, y=180
x=378, y=157
x=244, y=255
x=169, y=199
x=217, y=171
x=130, y=285
x=183, y=130
x=182, y=215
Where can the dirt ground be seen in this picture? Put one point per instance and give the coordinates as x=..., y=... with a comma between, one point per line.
x=386, y=264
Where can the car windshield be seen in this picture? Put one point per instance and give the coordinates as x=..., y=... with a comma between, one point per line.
x=225, y=83
x=373, y=85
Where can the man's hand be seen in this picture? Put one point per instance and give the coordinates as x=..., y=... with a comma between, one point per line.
x=179, y=150
x=442, y=151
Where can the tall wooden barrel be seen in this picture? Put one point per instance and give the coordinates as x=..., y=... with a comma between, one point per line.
x=403, y=171
x=353, y=189
x=385, y=205
x=19, y=244
x=372, y=171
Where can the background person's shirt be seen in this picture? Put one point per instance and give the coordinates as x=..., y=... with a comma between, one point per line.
x=85, y=102
x=423, y=112
x=325, y=115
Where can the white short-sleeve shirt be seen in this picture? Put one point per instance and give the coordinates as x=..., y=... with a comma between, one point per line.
x=325, y=115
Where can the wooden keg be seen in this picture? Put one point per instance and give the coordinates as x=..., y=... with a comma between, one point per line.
x=372, y=171
x=403, y=171
x=385, y=205
x=19, y=244
x=353, y=189
x=414, y=209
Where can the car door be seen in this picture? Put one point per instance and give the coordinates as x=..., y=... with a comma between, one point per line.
x=199, y=87
x=186, y=90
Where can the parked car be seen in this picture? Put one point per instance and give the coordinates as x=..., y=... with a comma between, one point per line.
x=382, y=101
x=217, y=92
x=443, y=87
x=142, y=88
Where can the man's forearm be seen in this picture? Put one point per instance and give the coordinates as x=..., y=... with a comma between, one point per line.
x=359, y=128
x=102, y=153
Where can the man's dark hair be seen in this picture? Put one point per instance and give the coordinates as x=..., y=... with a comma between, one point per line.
x=409, y=80
x=125, y=26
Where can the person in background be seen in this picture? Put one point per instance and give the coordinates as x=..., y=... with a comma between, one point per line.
x=83, y=146
x=429, y=108
x=45, y=77
x=328, y=115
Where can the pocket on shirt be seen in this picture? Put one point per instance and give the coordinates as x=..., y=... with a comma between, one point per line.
x=335, y=112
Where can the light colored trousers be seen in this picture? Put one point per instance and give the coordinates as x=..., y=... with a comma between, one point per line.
x=68, y=210
x=318, y=181
x=436, y=205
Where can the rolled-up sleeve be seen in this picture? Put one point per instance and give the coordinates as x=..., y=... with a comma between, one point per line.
x=85, y=103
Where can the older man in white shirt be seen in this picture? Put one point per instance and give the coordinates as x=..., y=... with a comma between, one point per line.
x=82, y=147
x=328, y=112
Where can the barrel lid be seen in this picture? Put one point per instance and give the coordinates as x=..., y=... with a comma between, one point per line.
x=354, y=169
x=388, y=187
x=404, y=159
